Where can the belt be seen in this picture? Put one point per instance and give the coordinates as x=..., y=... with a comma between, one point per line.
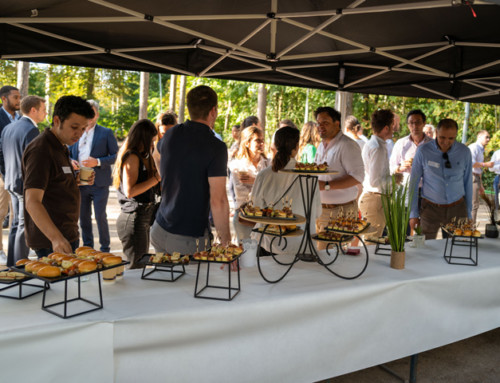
x=447, y=205
x=333, y=206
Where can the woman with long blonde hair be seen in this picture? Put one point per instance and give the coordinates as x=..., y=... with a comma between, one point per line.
x=309, y=141
x=135, y=176
x=249, y=160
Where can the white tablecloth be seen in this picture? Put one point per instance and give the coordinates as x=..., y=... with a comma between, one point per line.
x=308, y=327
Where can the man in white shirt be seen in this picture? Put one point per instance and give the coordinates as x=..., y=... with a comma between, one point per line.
x=343, y=155
x=377, y=172
x=495, y=159
x=477, y=152
x=406, y=147
x=389, y=141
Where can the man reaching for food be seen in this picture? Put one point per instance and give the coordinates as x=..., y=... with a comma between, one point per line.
x=51, y=193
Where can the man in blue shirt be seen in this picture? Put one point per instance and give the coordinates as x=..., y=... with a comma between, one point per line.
x=445, y=168
x=15, y=137
x=11, y=102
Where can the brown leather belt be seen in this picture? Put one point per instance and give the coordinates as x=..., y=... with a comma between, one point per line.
x=448, y=205
x=333, y=206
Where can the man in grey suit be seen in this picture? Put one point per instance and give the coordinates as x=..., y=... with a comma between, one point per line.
x=14, y=139
x=96, y=149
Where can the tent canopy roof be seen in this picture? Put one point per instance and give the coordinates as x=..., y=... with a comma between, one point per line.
x=438, y=49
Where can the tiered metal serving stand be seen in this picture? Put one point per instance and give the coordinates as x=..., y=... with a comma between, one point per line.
x=307, y=252
x=453, y=241
x=66, y=301
x=24, y=287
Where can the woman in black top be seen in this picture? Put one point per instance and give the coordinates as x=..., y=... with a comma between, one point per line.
x=135, y=177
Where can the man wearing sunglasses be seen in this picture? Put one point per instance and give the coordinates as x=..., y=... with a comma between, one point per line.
x=445, y=168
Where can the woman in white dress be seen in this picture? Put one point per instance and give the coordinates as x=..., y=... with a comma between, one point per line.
x=249, y=160
x=270, y=185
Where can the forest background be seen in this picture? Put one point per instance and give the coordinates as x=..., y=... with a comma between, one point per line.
x=118, y=94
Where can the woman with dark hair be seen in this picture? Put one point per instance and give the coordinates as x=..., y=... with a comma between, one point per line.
x=135, y=177
x=270, y=185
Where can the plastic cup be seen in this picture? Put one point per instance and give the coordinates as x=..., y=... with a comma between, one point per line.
x=85, y=174
x=109, y=276
x=119, y=272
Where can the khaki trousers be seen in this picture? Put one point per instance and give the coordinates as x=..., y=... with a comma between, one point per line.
x=476, y=185
x=4, y=205
x=349, y=209
x=370, y=205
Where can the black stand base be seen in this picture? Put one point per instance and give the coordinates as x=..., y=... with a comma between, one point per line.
x=32, y=290
x=412, y=378
x=65, y=302
x=470, y=242
x=171, y=273
x=204, y=291
x=383, y=249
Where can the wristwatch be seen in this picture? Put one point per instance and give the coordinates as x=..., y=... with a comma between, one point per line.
x=327, y=185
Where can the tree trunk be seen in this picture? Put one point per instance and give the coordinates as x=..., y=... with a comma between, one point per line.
x=23, y=77
x=228, y=116
x=143, y=98
x=182, y=98
x=90, y=83
x=261, y=106
x=343, y=103
x=173, y=91
x=48, y=80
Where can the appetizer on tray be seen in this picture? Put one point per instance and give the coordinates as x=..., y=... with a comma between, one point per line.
x=249, y=210
x=175, y=258
x=219, y=253
x=461, y=227
x=311, y=167
x=347, y=223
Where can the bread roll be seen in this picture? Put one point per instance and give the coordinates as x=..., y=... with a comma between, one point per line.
x=29, y=266
x=56, y=255
x=112, y=260
x=86, y=266
x=99, y=256
x=49, y=272
x=37, y=267
x=22, y=262
x=82, y=248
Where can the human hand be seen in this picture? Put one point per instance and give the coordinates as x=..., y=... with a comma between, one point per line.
x=90, y=162
x=61, y=245
x=414, y=222
x=75, y=164
x=406, y=166
x=246, y=178
x=488, y=164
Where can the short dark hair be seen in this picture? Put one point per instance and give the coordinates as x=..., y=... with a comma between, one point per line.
x=200, y=101
x=380, y=119
x=29, y=102
x=447, y=123
x=249, y=121
x=287, y=122
x=72, y=104
x=6, y=89
x=169, y=118
x=334, y=114
x=417, y=112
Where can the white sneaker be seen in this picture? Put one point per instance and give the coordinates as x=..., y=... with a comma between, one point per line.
x=3, y=258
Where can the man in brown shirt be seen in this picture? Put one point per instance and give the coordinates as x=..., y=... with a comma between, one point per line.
x=51, y=193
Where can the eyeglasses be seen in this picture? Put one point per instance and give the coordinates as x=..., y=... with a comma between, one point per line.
x=447, y=164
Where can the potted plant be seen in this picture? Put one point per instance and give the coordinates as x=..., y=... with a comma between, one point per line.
x=491, y=230
x=418, y=238
x=396, y=201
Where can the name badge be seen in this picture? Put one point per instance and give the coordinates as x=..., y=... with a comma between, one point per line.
x=433, y=164
x=67, y=170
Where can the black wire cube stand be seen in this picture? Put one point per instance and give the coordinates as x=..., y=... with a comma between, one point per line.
x=206, y=288
x=452, y=246
x=162, y=272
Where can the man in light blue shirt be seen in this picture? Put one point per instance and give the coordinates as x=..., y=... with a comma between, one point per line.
x=445, y=168
x=477, y=151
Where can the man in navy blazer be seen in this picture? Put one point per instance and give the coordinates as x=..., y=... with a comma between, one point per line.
x=11, y=99
x=14, y=139
x=97, y=149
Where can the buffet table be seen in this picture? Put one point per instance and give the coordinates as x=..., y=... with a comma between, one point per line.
x=307, y=328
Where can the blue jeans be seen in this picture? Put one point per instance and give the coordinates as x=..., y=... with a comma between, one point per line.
x=17, y=243
x=98, y=196
x=495, y=188
x=45, y=252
